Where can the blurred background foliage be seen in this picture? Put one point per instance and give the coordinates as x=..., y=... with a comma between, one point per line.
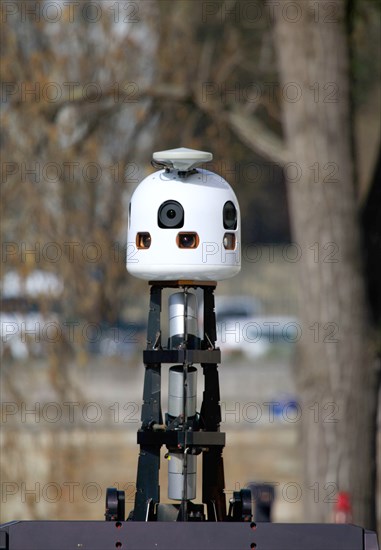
x=87, y=98
x=89, y=94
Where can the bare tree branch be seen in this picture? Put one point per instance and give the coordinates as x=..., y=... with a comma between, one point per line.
x=257, y=136
x=249, y=129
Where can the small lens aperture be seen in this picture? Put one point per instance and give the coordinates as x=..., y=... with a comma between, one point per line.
x=170, y=215
x=143, y=240
x=229, y=215
x=229, y=241
x=187, y=240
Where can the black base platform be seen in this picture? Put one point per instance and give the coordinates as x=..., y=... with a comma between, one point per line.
x=104, y=535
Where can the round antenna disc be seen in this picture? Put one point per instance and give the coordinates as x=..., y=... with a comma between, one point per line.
x=182, y=159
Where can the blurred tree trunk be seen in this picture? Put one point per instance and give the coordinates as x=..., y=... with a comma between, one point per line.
x=336, y=375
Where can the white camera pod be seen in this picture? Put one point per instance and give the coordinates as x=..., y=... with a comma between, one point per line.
x=184, y=222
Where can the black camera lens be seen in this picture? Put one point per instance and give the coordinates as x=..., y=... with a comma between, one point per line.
x=229, y=215
x=187, y=240
x=170, y=215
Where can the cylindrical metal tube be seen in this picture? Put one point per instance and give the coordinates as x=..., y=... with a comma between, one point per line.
x=176, y=391
x=183, y=311
x=176, y=476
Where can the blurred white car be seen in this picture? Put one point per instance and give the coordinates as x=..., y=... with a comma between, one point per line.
x=255, y=336
x=228, y=307
x=23, y=328
x=24, y=334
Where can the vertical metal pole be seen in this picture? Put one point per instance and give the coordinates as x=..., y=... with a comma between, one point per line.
x=213, y=478
x=184, y=502
x=147, y=481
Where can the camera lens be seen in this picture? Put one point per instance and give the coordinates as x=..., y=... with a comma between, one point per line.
x=187, y=240
x=143, y=240
x=229, y=215
x=229, y=241
x=170, y=215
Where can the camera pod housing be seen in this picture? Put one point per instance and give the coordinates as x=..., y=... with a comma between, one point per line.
x=184, y=223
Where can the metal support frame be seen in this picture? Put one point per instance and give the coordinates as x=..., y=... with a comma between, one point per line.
x=217, y=533
x=210, y=441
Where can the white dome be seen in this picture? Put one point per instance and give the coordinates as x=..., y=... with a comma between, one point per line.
x=170, y=209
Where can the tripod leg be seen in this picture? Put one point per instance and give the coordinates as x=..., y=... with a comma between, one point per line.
x=213, y=479
x=213, y=484
x=147, y=483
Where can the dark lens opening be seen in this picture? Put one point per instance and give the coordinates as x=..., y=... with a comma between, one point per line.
x=229, y=215
x=229, y=241
x=170, y=215
x=143, y=240
x=187, y=240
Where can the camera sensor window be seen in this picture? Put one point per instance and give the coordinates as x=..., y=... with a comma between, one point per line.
x=229, y=215
x=187, y=240
x=143, y=240
x=229, y=241
x=171, y=215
